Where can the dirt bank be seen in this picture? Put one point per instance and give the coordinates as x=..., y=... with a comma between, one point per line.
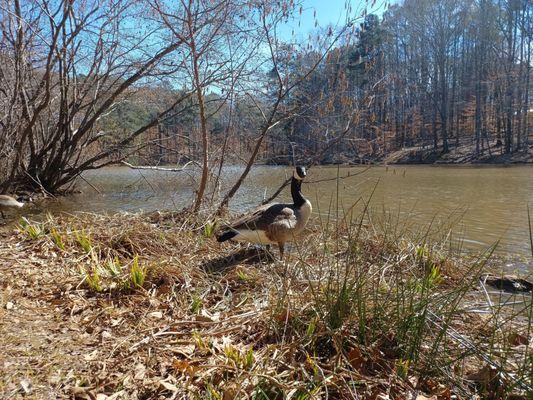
x=460, y=155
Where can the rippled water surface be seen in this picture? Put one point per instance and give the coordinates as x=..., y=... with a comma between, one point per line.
x=483, y=204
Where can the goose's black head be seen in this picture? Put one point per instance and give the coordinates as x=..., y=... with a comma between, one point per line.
x=300, y=173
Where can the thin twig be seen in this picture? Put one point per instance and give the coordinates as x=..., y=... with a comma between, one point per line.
x=153, y=168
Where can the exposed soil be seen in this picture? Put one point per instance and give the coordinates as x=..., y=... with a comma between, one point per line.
x=464, y=154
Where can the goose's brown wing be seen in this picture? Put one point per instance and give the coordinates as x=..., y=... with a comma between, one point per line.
x=265, y=216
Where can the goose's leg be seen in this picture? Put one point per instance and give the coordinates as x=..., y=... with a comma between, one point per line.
x=3, y=216
x=268, y=251
x=281, y=249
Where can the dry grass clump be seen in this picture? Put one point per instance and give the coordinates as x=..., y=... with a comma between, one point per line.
x=150, y=306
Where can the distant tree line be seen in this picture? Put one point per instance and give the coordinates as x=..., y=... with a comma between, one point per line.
x=459, y=70
x=433, y=74
x=437, y=75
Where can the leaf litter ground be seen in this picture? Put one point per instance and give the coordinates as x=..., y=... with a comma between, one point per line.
x=148, y=306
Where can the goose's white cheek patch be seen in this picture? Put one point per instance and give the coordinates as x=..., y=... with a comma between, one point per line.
x=247, y=235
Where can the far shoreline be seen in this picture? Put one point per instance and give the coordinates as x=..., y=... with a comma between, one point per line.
x=374, y=163
x=462, y=156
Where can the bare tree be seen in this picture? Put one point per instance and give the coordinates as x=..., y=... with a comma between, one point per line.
x=65, y=65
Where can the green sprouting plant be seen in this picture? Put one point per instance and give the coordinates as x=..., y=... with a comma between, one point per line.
x=137, y=274
x=239, y=359
x=57, y=238
x=242, y=275
x=431, y=280
x=213, y=394
x=311, y=327
x=93, y=279
x=201, y=343
x=434, y=277
x=421, y=252
x=113, y=267
x=84, y=240
x=32, y=230
x=300, y=395
x=249, y=359
x=233, y=355
x=402, y=368
x=312, y=388
x=424, y=257
x=339, y=306
x=209, y=229
x=196, y=304
x=266, y=390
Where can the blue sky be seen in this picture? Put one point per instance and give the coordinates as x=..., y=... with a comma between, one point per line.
x=332, y=12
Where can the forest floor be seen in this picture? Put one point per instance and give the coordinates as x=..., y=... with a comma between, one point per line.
x=464, y=154
x=136, y=306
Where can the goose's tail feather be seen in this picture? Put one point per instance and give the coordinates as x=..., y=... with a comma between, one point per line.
x=9, y=202
x=226, y=236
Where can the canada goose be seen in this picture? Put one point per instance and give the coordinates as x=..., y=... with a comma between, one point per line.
x=7, y=202
x=273, y=223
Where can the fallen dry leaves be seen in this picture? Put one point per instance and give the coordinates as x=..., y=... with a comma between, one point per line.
x=200, y=326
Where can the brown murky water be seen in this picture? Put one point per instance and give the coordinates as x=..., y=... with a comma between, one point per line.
x=484, y=204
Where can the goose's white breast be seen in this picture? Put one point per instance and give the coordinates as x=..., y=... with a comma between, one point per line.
x=248, y=235
x=305, y=212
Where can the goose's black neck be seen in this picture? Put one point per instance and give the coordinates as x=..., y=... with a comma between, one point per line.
x=296, y=191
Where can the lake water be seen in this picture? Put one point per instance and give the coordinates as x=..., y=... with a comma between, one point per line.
x=483, y=204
